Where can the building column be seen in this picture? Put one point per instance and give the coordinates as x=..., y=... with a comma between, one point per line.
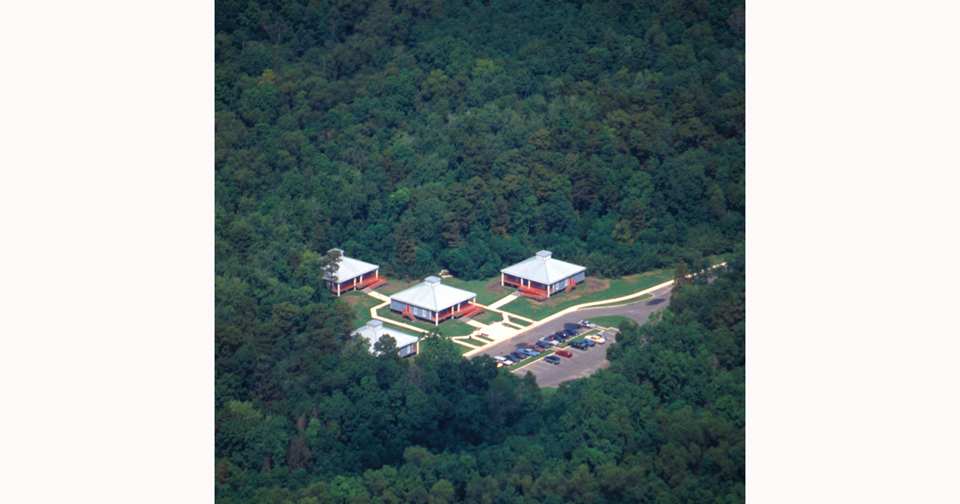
x=376, y=274
x=501, y=280
x=338, y=289
x=436, y=318
x=548, y=290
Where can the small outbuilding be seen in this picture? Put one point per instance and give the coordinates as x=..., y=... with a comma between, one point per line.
x=353, y=274
x=542, y=276
x=434, y=302
x=407, y=345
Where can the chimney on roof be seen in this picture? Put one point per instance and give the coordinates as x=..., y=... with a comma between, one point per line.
x=432, y=281
x=543, y=255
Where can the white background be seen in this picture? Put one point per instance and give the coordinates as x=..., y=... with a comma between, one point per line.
x=107, y=290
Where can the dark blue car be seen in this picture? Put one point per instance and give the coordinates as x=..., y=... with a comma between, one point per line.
x=517, y=356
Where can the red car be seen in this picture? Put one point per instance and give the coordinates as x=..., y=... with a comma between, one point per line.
x=564, y=353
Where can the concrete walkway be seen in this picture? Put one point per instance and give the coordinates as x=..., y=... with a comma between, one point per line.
x=504, y=329
x=496, y=331
x=503, y=301
x=573, y=309
x=374, y=294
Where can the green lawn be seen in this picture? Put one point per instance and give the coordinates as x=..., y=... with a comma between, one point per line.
x=361, y=304
x=482, y=339
x=593, y=289
x=394, y=286
x=488, y=317
x=522, y=323
x=610, y=320
x=488, y=290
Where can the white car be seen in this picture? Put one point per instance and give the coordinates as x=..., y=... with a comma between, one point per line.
x=550, y=342
x=503, y=360
x=587, y=324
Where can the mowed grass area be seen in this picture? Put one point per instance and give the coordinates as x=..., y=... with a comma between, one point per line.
x=522, y=323
x=361, y=304
x=488, y=290
x=488, y=317
x=475, y=341
x=394, y=286
x=594, y=289
x=611, y=320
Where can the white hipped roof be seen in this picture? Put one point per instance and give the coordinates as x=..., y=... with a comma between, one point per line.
x=374, y=330
x=433, y=295
x=351, y=268
x=543, y=268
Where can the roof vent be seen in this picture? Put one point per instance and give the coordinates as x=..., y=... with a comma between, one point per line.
x=375, y=324
x=543, y=255
x=432, y=281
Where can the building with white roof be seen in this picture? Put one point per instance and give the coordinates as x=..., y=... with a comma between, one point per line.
x=435, y=302
x=542, y=276
x=407, y=345
x=353, y=274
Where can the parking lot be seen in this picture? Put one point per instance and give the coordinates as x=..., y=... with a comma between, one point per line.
x=584, y=362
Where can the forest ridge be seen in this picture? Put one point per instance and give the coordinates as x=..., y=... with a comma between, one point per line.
x=468, y=135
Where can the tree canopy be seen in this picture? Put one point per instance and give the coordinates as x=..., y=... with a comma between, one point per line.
x=467, y=135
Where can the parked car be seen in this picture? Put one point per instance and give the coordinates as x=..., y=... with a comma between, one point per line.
x=564, y=353
x=570, y=332
x=579, y=345
x=505, y=360
x=517, y=357
x=549, y=341
x=562, y=335
x=500, y=360
x=543, y=345
x=587, y=324
x=552, y=359
x=534, y=349
x=556, y=339
x=588, y=342
x=596, y=338
x=529, y=353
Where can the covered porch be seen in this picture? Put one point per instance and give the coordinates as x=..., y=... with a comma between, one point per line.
x=526, y=288
x=372, y=281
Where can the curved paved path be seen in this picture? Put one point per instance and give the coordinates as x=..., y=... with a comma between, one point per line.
x=583, y=363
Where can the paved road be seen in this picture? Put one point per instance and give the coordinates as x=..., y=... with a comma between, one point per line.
x=583, y=363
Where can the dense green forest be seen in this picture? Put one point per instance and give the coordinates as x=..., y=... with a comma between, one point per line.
x=467, y=135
